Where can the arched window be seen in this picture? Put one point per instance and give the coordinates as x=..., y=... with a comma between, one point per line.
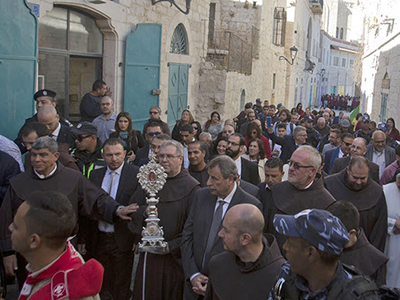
x=179, y=40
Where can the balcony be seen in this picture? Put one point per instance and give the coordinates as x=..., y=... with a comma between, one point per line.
x=316, y=6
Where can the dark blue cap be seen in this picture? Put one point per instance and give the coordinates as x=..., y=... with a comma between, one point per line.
x=308, y=118
x=318, y=227
x=85, y=128
x=383, y=126
x=365, y=119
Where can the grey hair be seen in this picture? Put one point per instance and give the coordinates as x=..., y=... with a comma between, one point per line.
x=178, y=146
x=298, y=130
x=315, y=157
x=207, y=136
x=157, y=108
x=46, y=142
x=111, y=99
x=226, y=165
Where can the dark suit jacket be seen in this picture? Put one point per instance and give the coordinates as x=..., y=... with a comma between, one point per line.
x=65, y=136
x=250, y=188
x=342, y=163
x=197, y=227
x=330, y=157
x=390, y=154
x=249, y=172
x=128, y=183
x=142, y=153
x=288, y=145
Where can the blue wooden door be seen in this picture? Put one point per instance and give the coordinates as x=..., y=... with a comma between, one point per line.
x=177, y=91
x=18, y=55
x=142, y=72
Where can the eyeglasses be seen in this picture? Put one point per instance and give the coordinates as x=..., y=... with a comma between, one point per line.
x=233, y=143
x=167, y=156
x=380, y=142
x=347, y=144
x=194, y=128
x=153, y=112
x=297, y=166
x=227, y=131
x=80, y=138
x=153, y=134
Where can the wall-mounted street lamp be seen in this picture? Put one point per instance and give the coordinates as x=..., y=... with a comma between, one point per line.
x=322, y=73
x=176, y=5
x=293, y=54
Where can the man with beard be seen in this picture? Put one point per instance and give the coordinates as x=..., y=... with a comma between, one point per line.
x=357, y=148
x=303, y=190
x=173, y=209
x=248, y=171
x=379, y=153
x=354, y=184
x=197, y=168
x=313, y=136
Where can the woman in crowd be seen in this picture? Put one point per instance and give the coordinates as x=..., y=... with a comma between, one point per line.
x=132, y=139
x=392, y=195
x=393, y=132
x=285, y=117
x=256, y=153
x=219, y=147
x=213, y=126
x=299, y=110
x=196, y=129
x=254, y=132
x=186, y=118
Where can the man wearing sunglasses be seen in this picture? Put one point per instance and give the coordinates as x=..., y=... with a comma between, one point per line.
x=88, y=148
x=357, y=148
x=153, y=129
x=155, y=114
x=303, y=189
x=342, y=151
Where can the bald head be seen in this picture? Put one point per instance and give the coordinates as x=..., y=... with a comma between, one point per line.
x=47, y=115
x=247, y=218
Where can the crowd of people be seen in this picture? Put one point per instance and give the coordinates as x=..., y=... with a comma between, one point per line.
x=274, y=203
x=340, y=102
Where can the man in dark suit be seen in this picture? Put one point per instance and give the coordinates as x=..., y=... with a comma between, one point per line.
x=61, y=133
x=358, y=148
x=248, y=171
x=379, y=153
x=289, y=143
x=153, y=129
x=250, y=117
x=113, y=243
x=342, y=151
x=199, y=237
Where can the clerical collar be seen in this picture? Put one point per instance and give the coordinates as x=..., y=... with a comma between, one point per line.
x=45, y=176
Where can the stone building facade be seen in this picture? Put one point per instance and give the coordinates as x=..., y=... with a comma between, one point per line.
x=380, y=61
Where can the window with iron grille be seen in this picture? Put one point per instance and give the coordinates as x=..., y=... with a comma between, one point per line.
x=179, y=40
x=279, y=26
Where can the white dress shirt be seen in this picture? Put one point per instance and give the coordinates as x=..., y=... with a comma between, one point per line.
x=104, y=226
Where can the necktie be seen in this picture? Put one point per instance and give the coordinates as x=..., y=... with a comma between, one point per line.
x=110, y=187
x=216, y=222
x=104, y=226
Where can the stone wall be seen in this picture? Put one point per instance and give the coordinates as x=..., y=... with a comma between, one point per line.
x=117, y=20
